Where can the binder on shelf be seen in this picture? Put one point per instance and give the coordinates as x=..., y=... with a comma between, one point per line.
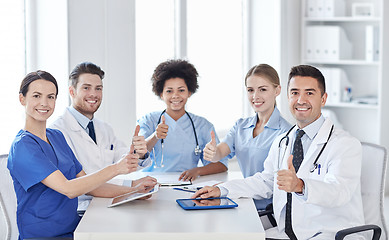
x=328, y=43
x=334, y=8
x=371, y=41
x=320, y=8
x=309, y=43
x=324, y=8
x=311, y=8
x=339, y=47
x=336, y=85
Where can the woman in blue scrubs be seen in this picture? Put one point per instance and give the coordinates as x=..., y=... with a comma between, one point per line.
x=47, y=177
x=175, y=137
x=250, y=138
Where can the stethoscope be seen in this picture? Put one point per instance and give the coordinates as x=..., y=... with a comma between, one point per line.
x=286, y=138
x=197, y=150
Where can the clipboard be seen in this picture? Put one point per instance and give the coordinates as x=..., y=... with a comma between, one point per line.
x=174, y=184
x=171, y=180
x=206, y=203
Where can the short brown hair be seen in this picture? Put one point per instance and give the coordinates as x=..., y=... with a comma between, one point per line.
x=308, y=71
x=33, y=76
x=84, y=67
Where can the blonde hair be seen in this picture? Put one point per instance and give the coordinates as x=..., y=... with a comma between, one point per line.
x=264, y=70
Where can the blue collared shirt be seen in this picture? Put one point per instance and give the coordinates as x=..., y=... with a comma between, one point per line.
x=179, y=145
x=252, y=152
x=81, y=119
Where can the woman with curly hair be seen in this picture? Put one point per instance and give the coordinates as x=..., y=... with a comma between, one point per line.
x=174, y=136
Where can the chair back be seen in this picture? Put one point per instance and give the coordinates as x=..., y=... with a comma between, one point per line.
x=374, y=161
x=8, y=204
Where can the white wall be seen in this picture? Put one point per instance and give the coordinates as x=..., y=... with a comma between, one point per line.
x=103, y=32
x=263, y=41
x=61, y=34
x=290, y=28
x=274, y=39
x=385, y=85
x=46, y=43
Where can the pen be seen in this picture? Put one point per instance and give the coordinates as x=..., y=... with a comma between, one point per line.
x=185, y=190
x=192, y=188
x=318, y=171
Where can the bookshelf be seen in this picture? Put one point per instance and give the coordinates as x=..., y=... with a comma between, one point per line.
x=365, y=67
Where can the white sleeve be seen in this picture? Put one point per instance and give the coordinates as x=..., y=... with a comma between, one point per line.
x=260, y=185
x=342, y=174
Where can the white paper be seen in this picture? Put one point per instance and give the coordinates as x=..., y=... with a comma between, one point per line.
x=170, y=179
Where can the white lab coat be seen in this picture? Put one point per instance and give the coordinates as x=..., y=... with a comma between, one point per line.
x=92, y=156
x=332, y=200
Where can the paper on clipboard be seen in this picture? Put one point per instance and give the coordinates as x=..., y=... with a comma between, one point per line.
x=206, y=183
x=197, y=186
x=171, y=180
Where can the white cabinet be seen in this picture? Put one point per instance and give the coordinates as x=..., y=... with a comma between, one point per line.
x=346, y=39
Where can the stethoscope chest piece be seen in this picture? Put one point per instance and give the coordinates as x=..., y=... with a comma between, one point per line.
x=313, y=167
x=197, y=150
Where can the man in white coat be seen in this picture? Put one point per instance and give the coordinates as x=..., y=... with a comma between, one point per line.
x=98, y=147
x=325, y=191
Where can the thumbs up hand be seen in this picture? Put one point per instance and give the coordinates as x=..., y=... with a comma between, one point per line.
x=162, y=129
x=139, y=143
x=209, y=151
x=128, y=163
x=290, y=164
x=287, y=179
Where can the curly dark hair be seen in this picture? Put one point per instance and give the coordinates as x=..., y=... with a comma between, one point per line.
x=175, y=68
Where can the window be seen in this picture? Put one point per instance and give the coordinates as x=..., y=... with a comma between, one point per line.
x=215, y=48
x=12, y=62
x=154, y=44
x=213, y=44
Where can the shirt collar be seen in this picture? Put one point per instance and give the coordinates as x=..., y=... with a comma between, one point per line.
x=251, y=122
x=273, y=121
x=312, y=129
x=81, y=119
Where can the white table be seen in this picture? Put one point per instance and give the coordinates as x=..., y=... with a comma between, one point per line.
x=160, y=217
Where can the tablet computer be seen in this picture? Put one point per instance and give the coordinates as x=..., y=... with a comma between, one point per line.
x=128, y=197
x=206, y=203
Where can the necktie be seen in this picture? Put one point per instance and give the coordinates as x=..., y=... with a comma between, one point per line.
x=298, y=156
x=92, y=133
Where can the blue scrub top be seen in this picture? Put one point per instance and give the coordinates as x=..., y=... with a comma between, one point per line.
x=252, y=152
x=179, y=145
x=41, y=211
